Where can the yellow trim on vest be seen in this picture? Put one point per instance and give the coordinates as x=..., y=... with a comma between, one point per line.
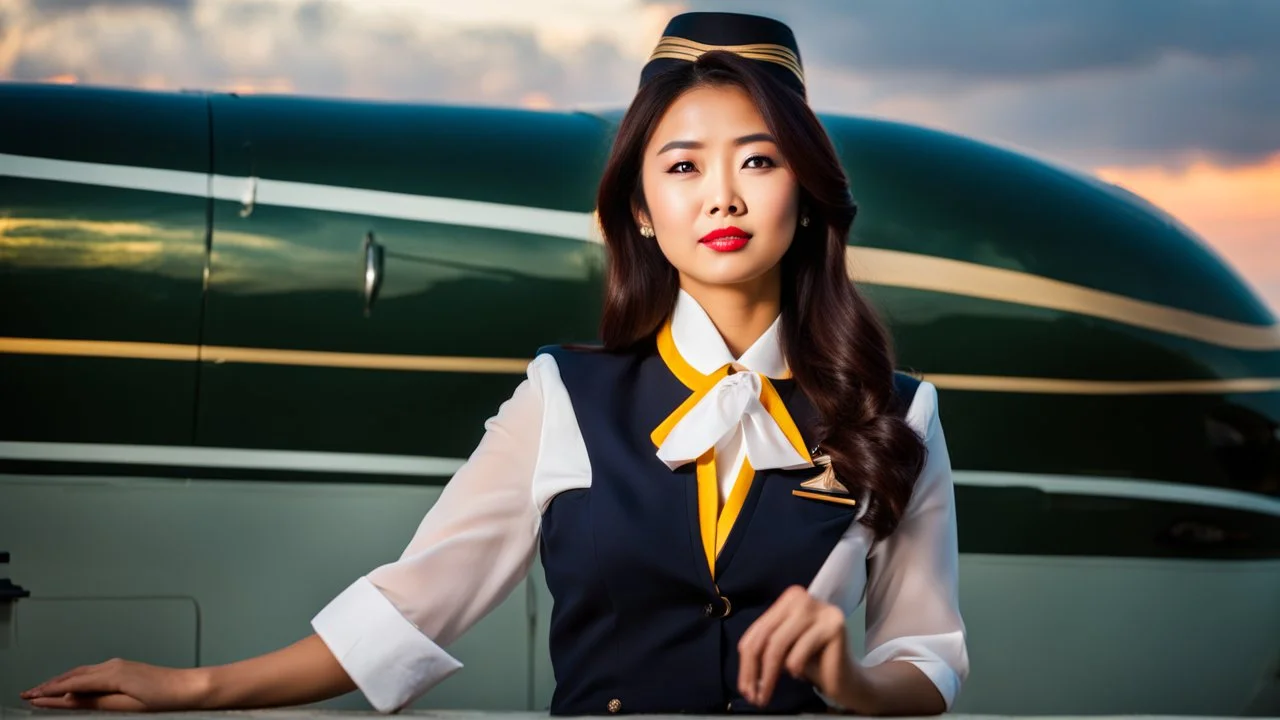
x=715, y=532
x=715, y=523
x=708, y=506
x=678, y=366
x=772, y=402
x=733, y=507
x=660, y=433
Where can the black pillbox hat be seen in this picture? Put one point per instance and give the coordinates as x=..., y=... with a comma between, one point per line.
x=764, y=40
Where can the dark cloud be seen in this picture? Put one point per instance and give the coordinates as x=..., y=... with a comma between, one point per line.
x=1089, y=79
x=1228, y=111
x=66, y=6
x=1020, y=38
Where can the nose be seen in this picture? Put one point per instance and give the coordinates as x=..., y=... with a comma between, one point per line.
x=724, y=199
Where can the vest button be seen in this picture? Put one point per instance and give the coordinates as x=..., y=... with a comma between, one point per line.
x=615, y=705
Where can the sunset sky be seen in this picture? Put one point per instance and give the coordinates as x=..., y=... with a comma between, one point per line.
x=1177, y=100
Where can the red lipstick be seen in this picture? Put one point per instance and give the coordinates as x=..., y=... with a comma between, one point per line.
x=726, y=239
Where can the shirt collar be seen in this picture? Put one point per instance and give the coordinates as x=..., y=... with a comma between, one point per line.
x=700, y=344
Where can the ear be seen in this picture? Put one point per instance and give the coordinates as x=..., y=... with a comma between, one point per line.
x=640, y=216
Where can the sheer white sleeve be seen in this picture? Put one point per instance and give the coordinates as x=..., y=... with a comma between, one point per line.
x=913, y=611
x=474, y=546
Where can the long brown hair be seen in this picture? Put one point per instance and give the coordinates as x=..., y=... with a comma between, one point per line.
x=837, y=348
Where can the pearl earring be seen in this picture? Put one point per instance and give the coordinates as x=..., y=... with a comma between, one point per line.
x=804, y=220
x=646, y=231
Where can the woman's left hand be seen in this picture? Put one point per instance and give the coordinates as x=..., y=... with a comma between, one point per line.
x=802, y=635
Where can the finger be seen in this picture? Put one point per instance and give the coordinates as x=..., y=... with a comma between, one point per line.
x=792, y=597
x=753, y=642
x=751, y=648
x=776, y=651
x=71, y=701
x=39, y=689
x=807, y=648
x=91, y=682
x=831, y=626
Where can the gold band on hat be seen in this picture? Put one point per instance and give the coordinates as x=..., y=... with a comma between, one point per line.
x=678, y=48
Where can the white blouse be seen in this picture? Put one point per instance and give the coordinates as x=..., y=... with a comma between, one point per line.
x=389, y=629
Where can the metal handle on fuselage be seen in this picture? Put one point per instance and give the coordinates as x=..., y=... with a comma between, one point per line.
x=373, y=263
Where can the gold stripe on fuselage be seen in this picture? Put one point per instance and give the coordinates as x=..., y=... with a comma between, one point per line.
x=260, y=356
x=1063, y=386
x=894, y=268
x=518, y=366
x=365, y=361
x=99, y=348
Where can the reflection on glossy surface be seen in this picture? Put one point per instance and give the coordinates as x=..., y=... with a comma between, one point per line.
x=292, y=278
x=99, y=264
x=58, y=243
x=290, y=250
x=96, y=262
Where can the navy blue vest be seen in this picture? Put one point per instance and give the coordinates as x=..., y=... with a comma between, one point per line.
x=637, y=624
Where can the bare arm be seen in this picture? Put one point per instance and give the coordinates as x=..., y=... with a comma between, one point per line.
x=891, y=688
x=302, y=673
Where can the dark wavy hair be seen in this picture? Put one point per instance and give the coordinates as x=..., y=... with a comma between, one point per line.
x=836, y=346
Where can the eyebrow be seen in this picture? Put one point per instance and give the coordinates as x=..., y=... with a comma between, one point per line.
x=695, y=145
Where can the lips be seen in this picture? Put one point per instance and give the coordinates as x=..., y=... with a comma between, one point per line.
x=726, y=239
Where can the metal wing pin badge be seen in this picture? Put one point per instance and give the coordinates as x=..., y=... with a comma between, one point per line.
x=825, y=486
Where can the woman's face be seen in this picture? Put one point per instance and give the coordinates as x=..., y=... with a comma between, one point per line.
x=710, y=165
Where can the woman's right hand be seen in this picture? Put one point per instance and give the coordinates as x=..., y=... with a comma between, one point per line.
x=122, y=685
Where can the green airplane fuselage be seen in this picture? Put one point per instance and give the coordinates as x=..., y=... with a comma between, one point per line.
x=102, y=261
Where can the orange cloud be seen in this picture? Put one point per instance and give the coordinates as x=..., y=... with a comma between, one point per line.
x=1236, y=210
x=537, y=101
x=250, y=86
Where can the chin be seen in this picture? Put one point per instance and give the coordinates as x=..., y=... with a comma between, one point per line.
x=728, y=273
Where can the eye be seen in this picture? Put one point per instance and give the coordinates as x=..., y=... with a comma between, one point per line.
x=684, y=166
x=759, y=161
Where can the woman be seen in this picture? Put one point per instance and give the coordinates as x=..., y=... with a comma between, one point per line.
x=712, y=492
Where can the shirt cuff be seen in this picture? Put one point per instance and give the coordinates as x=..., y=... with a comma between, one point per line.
x=388, y=658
